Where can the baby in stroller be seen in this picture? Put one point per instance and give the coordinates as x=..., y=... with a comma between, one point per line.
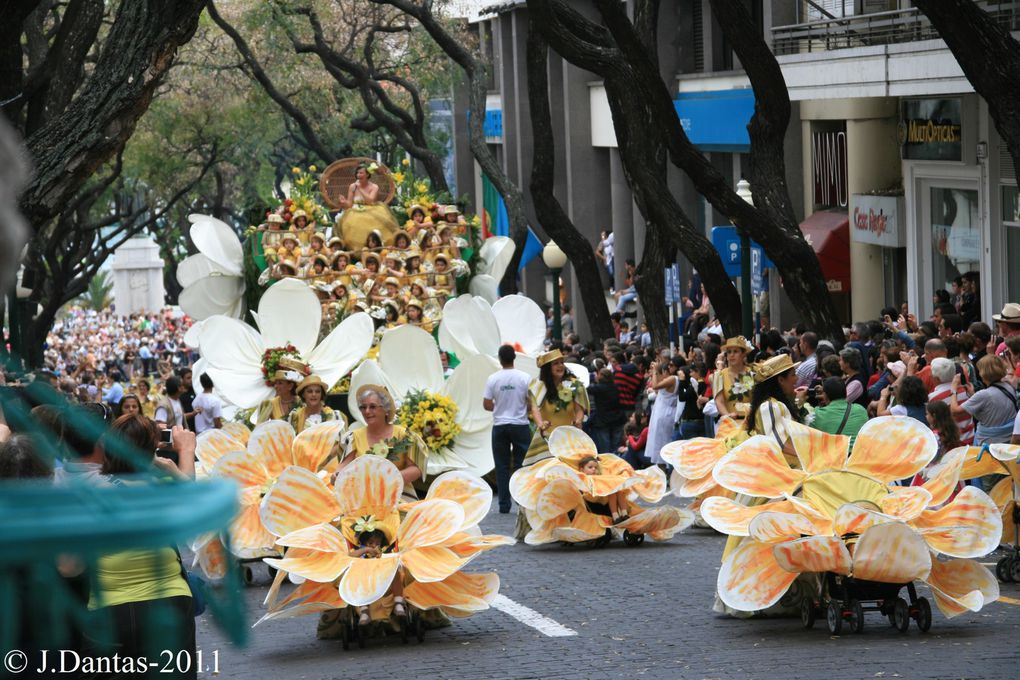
x=372, y=544
x=589, y=465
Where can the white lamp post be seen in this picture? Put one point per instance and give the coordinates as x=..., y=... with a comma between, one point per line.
x=555, y=259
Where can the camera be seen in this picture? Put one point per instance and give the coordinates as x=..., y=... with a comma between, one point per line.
x=165, y=437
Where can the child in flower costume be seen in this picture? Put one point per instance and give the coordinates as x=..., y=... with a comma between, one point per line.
x=429, y=541
x=373, y=543
x=563, y=502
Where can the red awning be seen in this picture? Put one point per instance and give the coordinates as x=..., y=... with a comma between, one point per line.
x=828, y=232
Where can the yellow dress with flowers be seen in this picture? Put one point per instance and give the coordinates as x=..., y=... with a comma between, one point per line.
x=736, y=391
x=271, y=409
x=299, y=420
x=403, y=449
x=358, y=221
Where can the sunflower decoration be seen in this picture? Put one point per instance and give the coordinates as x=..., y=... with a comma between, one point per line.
x=256, y=464
x=561, y=502
x=428, y=541
x=693, y=461
x=433, y=417
x=999, y=460
x=843, y=515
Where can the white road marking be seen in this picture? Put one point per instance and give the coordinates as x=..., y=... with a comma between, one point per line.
x=529, y=617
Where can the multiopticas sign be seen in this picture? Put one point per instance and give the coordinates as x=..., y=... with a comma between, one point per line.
x=875, y=220
x=931, y=129
x=928, y=131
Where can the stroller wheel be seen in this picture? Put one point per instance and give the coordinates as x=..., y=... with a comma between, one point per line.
x=901, y=615
x=1002, y=569
x=807, y=613
x=633, y=539
x=345, y=637
x=834, y=617
x=419, y=629
x=1014, y=569
x=923, y=614
x=856, y=616
x=405, y=623
x=247, y=575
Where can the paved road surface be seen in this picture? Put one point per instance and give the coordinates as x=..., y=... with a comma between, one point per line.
x=638, y=613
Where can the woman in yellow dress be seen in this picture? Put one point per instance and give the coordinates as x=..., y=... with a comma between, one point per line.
x=312, y=391
x=557, y=399
x=285, y=381
x=732, y=385
x=363, y=211
x=145, y=397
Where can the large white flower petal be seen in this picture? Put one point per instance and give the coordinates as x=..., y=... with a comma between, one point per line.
x=289, y=312
x=368, y=373
x=579, y=372
x=193, y=336
x=471, y=327
x=195, y=267
x=231, y=344
x=217, y=241
x=243, y=388
x=342, y=348
x=474, y=449
x=521, y=323
x=466, y=387
x=528, y=364
x=496, y=253
x=485, y=287
x=409, y=357
x=213, y=295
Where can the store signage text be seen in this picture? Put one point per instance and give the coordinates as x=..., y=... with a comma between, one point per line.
x=828, y=151
x=875, y=220
x=931, y=129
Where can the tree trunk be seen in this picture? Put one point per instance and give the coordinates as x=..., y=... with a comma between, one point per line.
x=651, y=285
x=989, y=57
x=554, y=218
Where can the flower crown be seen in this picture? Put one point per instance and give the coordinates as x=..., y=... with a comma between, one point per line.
x=366, y=523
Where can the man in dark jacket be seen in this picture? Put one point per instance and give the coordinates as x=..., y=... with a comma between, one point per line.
x=607, y=418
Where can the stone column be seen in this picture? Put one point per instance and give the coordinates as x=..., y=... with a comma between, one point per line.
x=137, y=277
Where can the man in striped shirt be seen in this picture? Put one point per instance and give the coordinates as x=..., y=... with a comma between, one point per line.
x=942, y=372
x=628, y=381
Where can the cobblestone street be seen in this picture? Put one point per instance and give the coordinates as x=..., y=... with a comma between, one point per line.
x=637, y=613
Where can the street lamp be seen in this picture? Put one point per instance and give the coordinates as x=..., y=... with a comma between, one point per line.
x=555, y=259
x=747, y=304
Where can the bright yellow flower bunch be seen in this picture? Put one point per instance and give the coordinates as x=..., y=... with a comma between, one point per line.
x=432, y=417
x=399, y=177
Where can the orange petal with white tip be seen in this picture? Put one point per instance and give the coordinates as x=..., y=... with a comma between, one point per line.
x=527, y=483
x=750, y=579
x=242, y=466
x=299, y=499
x=542, y=532
x=757, y=467
x=813, y=554
x=469, y=546
x=314, y=444
x=980, y=464
x=321, y=567
x=1003, y=495
x=821, y=521
x=891, y=553
x=368, y=580
x=776, y=527
x=213, y=444
x=272, y=442
x=467, y=593
x=962, y=585
x=248, y=537
x=659, y=523
x=729, y=517
x=212, y=558
x=694, y=458
x=467, y=490
x=852, y=519
x=727, y=427
x=368, y=482
x=320, y=537
x=308, y=598
x=433, y=563
x=817, y=450
x=969, y=526
x=558, y=497
x=906, y=502
x=570, y=442
x=691, y=488
x=888, y=448
x=236, y=430
x=429, y=523
x=945, y=475
x=652, y=485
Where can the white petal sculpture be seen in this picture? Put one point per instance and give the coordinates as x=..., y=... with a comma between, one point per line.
x=213, y=279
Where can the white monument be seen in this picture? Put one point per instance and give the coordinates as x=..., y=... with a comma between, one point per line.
x=137, y=277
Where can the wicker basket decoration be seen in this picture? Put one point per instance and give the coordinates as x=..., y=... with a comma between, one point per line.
x=337, y=178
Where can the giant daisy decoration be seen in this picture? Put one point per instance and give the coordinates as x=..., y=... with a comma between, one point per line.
x=842, y=515
x=288, y=318
x=493, y=259
x=553, y=494
x=409, y=366
x=212, y=279
x=430, y=540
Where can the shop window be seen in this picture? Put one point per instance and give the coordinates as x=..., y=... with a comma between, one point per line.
x=956, y=234
x=1011, y=223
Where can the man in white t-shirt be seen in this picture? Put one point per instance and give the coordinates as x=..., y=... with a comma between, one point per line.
x=507, y=396
x=207, y=406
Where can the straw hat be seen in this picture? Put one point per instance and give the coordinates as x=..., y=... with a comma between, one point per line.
x=289, y=237
x=338, y=253
x=736, y=342
x=318, y=236
x=298, y=213
x=275, y=218
x=401, y=232
x=370, y=256
x=415, y=302
x=549, y=357
x=450, y=210
x=1010, y=313
x=312, y=380
x=290, y=264
x=444, y=257
x=335, y=242
x=417, y=206
x=360, y=394
x=411, y=253
x=393, y=280
x=773, y=366
x=321, y=258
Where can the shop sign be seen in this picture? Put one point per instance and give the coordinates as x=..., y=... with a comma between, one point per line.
x=876, y=220
x=828, y=154
x=931, y=129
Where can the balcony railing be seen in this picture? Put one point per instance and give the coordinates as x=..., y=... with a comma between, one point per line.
x=879, y=28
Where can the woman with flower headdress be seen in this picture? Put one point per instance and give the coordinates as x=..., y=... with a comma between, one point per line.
x=362, y=210
x=285, y=381
x=733, y=383
x=559, y=400
x=312, y=391
x=382, y=437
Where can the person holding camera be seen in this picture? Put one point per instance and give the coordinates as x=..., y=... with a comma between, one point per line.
x=835, y=415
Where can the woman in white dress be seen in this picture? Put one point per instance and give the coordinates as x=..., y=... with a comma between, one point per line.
x=660, y=426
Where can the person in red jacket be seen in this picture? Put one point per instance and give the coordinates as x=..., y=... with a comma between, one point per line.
x=636, y=437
